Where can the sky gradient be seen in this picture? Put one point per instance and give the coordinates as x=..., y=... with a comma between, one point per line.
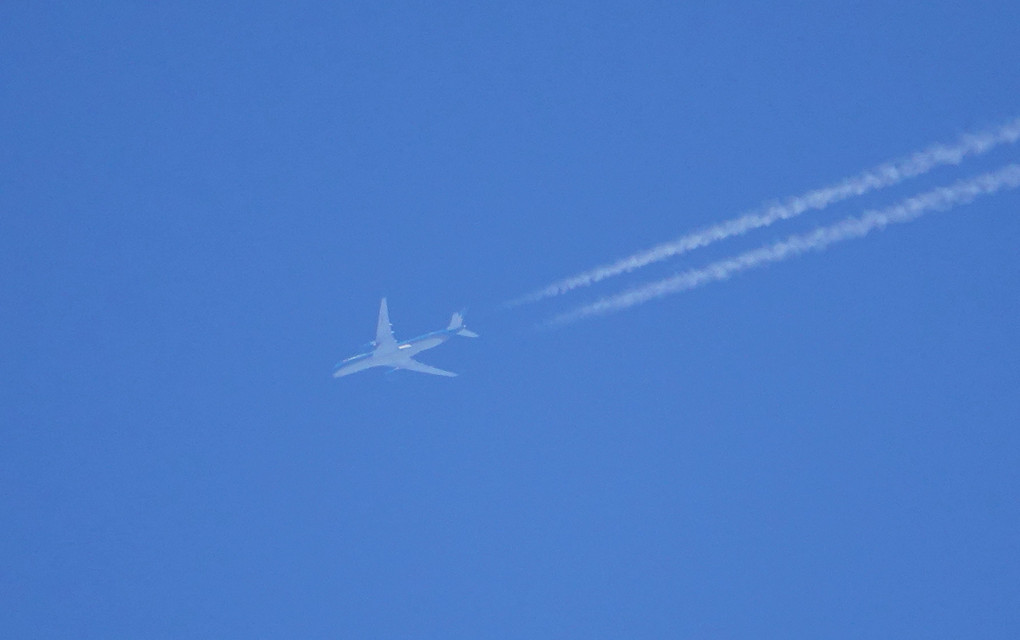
x=203, y=204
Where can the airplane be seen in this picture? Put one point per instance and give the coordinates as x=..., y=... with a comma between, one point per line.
x=385, y=351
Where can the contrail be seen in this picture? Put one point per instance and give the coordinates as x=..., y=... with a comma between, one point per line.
x=942, y=198
x=882, y=176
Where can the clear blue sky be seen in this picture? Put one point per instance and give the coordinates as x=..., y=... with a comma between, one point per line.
x=201, y=205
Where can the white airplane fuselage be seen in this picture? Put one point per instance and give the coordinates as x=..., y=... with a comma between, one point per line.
x=392, y=358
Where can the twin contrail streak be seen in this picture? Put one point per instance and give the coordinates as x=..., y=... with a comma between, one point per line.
x=942, y=198
x=882, y=176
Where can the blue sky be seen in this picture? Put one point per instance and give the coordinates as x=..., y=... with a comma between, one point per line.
x=202, y=205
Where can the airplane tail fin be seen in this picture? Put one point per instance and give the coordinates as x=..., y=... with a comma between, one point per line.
x=457, y=322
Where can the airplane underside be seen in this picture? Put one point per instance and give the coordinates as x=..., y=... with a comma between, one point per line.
x=387, y=352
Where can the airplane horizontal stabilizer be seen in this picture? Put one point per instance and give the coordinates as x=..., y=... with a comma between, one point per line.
x=457, y=323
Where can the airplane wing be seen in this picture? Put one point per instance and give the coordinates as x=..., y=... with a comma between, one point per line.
x=414, y=365
x=384, y=339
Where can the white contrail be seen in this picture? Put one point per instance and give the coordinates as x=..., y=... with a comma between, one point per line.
x=885, y=175
x=942, y=198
